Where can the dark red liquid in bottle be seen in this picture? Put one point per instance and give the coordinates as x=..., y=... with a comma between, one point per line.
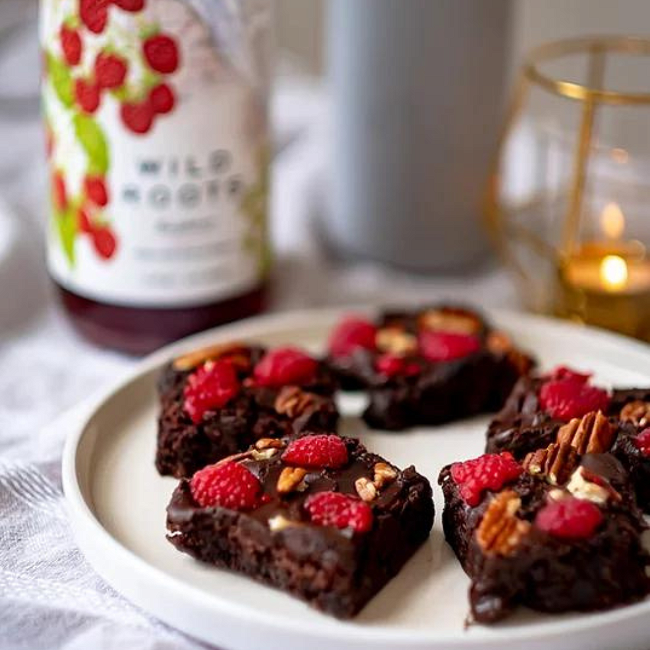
x=142, y=330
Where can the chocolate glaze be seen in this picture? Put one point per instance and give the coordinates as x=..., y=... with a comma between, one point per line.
x=443, y=391
x=547, y=573
x=184, y=447
x=337, y=571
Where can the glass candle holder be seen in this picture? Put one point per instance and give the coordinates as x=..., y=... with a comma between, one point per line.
x=568, y=203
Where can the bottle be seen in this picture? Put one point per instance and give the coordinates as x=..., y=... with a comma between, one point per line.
x=158, y=146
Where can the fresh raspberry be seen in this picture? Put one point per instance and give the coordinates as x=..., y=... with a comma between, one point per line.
x=88, y=95
x=350, y=334
x=162, y=99
x=210, y=387
x=138, y=116
x=71, y=45
x=565, y=399
x=94, y=14
x=104, y=242
x=96, y=191
x=642, y=442
x=83, y=222
x=59, y=192
x=317, y=451
x=569, y=518
x=228, y=484
x=284, y=366
x=110, y=70
x=487, y=472
x=129, y=5
x=161, y=53
x=563, y=372
x=446, y=346
x=392, y=365
x=339, y=510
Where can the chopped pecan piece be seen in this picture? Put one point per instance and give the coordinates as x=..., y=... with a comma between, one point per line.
x=591, y=434
x=383, y=474
x=290, y=479
x=637, y=412
x=293, y=401
x=445, y=320
x=195, y=358
x=556, y=463
x=365, y=489
x=396, y=341
x=501, y=531
x=269, y=443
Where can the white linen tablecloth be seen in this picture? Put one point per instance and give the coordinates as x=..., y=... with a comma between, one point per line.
x=49, y=596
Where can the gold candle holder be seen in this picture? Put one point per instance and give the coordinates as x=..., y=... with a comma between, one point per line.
x=569, y=198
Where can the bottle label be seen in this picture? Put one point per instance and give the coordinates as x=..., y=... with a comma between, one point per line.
x=157, y=137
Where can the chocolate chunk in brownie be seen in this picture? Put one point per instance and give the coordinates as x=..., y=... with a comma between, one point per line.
x=316, y=516
x=214, y=403
x=526, y=540
x=426, y=367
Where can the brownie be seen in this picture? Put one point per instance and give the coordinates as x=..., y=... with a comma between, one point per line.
x=428, y=366
x=256, y=411
x=631, y=408
x=523, y=426
x=572, y=546
x=336, y=565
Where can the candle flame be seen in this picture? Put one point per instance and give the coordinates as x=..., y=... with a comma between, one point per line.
x=612, y=221
x=613, y=272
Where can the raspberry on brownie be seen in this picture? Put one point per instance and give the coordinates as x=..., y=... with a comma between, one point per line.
x=217, y=401
x=427, y=366
x=556, y=533
x=318, y=516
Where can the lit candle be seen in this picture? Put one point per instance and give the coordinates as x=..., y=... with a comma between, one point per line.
x=607, y=282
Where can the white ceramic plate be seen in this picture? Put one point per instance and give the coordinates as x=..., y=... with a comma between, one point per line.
x=117, y=502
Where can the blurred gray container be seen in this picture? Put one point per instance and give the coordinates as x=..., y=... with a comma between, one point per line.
x=417, y=87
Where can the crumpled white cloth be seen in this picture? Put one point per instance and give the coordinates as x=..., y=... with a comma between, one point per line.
x=50, y=597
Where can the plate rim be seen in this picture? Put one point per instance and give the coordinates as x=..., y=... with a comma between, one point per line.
x=86, y=526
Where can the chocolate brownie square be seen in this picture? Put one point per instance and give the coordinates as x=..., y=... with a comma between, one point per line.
x=568, y=540
x=426, y=367
x=217, y=401
x=316, y=516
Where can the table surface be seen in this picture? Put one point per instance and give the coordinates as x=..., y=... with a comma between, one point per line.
x=48, y=595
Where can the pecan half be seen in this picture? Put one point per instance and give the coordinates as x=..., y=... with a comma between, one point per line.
x=458, y=322
x=501, y=531
x=591, y=434
x=292, y=401
x=365, y=489
x=195, y=358
x=556, y=463
x=290, y=479
x=637, y=412
x=395, y=341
